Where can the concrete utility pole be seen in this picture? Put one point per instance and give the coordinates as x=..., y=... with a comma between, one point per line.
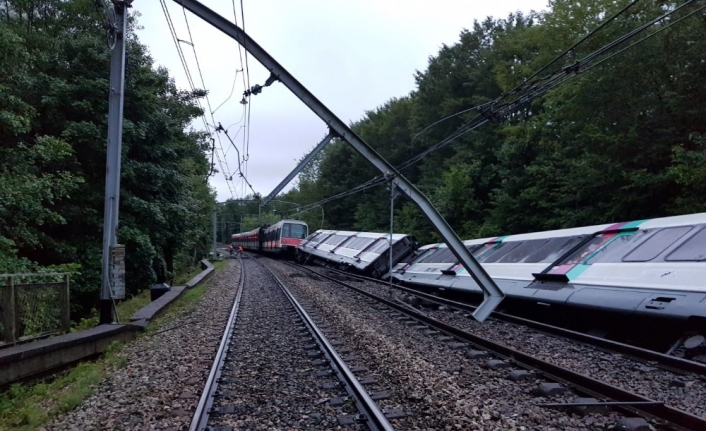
x=117, y=36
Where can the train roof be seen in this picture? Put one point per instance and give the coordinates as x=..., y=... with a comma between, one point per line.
x=395, y=237
x=681, y=220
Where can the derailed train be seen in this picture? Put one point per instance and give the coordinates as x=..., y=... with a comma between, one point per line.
x=652, y=269
x=365, y=253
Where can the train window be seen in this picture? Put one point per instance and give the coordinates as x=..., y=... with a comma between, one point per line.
x=381, y=245
x=318, y=237
x=336, y=239
x=365, y=243
x=480, y=250
x=501, y=250
x=614, y=250
x=422, y=254
x=360, y=243
x=428, y=255
x=587, y=249
x=656, y=244
x=551, y=250
x=523, y=250
x=354, y=243
x=297, y=231
x=694, y=249
x=473, y=248
x=351, y=243
x=442, y=255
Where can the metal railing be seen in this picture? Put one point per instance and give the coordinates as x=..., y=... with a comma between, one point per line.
x=33, y=306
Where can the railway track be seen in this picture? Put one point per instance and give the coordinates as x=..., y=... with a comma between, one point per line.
x=651, y=357
x=275, y=367
x=594, y=393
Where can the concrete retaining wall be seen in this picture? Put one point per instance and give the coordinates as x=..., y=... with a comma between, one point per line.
x=27, y=360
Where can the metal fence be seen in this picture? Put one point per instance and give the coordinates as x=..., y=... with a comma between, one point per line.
x=33, y=306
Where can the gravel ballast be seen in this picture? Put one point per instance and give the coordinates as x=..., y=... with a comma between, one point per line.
x=684, y=391
x=429, y=376
x=275, y=382
x=159, y=385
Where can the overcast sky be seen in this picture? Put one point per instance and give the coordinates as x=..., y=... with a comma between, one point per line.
x=353, y=55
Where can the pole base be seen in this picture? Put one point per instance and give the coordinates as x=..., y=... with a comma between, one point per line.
x=106, y=312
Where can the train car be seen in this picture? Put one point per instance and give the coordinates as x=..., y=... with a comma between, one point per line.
x=365, y=253
x=651, y=269
x=279, y=239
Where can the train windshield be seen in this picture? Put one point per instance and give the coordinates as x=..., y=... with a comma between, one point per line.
x=297, y=231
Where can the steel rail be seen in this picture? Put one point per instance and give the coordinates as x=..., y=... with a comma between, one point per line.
x=650, y=408
x=200, y=420
x=376, y=419
x=669, y=362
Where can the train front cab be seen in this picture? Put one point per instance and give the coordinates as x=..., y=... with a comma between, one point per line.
x=293, y=233
x=283, y=237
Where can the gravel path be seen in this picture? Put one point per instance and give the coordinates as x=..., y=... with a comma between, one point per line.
x=441, y=387
x=159, y=386
x=683, y=391
x=275, y=382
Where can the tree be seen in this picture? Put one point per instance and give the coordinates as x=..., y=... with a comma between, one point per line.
x=53, y=124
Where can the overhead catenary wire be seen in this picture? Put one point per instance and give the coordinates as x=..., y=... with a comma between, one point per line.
x=528, y=81
x=190, y=81
x=246, y=136
x=245, y=87
x=536, y=90
x=243, y=176
x=223, y=163
x=646, y=37
x=232, y=89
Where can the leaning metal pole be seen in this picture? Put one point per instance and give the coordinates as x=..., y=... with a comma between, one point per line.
x=305, y=161
x=493, y=294
x=112, y=171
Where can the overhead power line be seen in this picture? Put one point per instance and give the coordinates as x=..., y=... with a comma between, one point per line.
x=222, y=161
x=529, y=81
x=492, y=111
x=243, y=176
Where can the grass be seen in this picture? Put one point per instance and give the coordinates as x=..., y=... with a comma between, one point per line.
x=125, y=310
x=25, y=408
x=187, y=275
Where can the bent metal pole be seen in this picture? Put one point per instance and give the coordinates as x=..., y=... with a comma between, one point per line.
x=305, y=161
x=493, y=294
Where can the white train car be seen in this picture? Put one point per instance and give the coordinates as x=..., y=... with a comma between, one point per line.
x=648, y=267
x=365, y=253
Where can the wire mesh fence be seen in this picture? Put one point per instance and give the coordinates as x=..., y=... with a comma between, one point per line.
x=33, y=306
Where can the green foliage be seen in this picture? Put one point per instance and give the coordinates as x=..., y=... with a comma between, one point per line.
x=623, y=141
x=689, y=171
x=53, y=126
x=25, y=407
